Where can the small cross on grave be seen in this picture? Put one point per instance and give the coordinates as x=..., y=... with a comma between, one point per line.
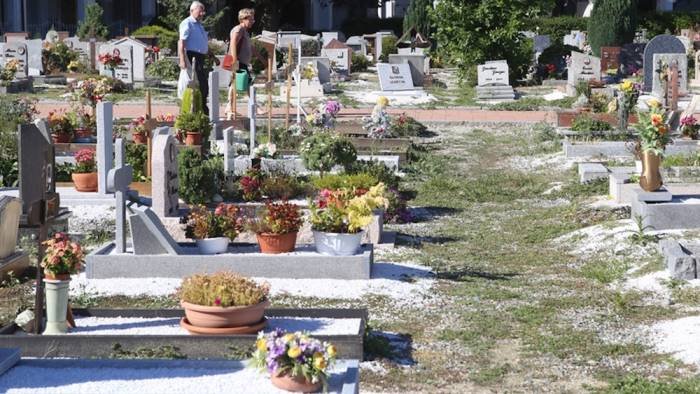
x=118, y=181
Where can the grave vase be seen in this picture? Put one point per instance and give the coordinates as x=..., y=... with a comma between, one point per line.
x=56, y=306
x=276, y=243
x=213, y=245
x=336, y=244
x=193, y=138
x=650, y=180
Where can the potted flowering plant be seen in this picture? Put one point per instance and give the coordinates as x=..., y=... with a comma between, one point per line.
x=212, y=230
x=689, y=127
x=85, y=125
x=338, y=218
x=276, y=227
x=61, y=259
x=193, y=127
x=223, y=303
x=85, y=172
x=90, y=91
x=653, y=136
x=61, y=127
x=250, y=184
x=139, y=134
x=8, y=72
x=111, y=61
x=296, y=362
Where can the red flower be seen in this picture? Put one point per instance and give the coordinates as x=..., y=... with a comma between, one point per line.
x=217, y=301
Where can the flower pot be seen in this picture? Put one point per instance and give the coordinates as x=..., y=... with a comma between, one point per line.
x=650, y=179
x=213, y=245
x=61, y=138
x=52, y=276
x=85, y=182
x=56, y=306
x=276, y=243
x=139, y=139
x=83, y=135
x=218, y=317
x=295, y=384
x=335, y=244
x=193, y=138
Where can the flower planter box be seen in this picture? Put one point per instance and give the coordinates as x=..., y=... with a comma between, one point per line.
x=566, y=118
x=17, y=86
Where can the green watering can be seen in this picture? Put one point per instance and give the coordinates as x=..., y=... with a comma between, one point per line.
x=242, y=81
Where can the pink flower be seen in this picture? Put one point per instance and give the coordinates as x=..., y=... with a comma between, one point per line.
x=217, y=301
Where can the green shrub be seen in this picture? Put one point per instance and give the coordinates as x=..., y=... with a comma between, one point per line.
x=257, y=64
x=163, y=69
x=193, y=122
x=92, y=24
x=559, y=26
x=282, y=186
x=612, y=23
x=585, y=122
x=13, y=112
x=406, y=126
x=166, y=38
x=136, y=157
x=323, y=151
x=659, y=22
x=388, y=47
x=199, y=178
x=359, y=63
x=57, y=57
x=345, y=181
x=376, y=169
x=63, y=172
x=417, y=17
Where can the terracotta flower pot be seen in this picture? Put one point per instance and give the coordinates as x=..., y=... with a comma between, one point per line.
x=61, y=138
x=85, y=182
x=276, y=243
x=218, y=317
x=139, y=139
x=52, y=276
x=295, y=384
x=193, y=138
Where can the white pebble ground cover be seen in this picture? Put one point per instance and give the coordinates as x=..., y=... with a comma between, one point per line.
x=679, y=337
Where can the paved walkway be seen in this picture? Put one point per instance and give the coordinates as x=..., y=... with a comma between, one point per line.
x=132, y=110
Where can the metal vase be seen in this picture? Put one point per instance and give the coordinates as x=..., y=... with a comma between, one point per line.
x=623, y=114
x=56, y=306
x=650, y=180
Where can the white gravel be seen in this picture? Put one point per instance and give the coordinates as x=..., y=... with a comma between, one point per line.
x=679, y=337
x=173, y=377
x=171, y=326
x=407, y=284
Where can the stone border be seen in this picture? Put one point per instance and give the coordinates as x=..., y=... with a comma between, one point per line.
x=304, y=263
x=193, y=346
x=619, y=148
x=673, y=215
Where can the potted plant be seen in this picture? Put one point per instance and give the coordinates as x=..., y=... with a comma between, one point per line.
x=213, y=230
x=276, y=227
x=322, y=151
x=193, y=126
x=139, y=134
x=296, y=362
x=250, y=184
x=689, y=127
x=85, y=125
x=85, y=172
x=61, y=259
x=338, y=218
x=222, y=303
x=61, y=127
x=653, y=136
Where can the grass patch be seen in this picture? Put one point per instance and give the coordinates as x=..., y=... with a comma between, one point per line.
x=637, y=384
x=605, y=271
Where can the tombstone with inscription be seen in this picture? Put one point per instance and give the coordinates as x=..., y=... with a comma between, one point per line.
x=37, y=163
x=663, y=61
x=583, y=68
x=17, y=51
x=695, y=82
x=82, y=47
x=339, y=54
x=165, y=182
x=609, y=58
x=664, y=43
x=494, y=82
x=125, y=71
x=139, y=53
x=10, y=258
x=314, y=87
x=394, y=77
x=417, y=64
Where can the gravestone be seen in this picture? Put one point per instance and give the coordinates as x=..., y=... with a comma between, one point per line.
x=632, y=58
x=164, y=177
x=139, y=55
x=105, y=149
x=668, y=58
x=11, y=37
x=17, y=50
x=493, y=81
x=338, y=53
x=583, y=68
x=34, y=56
x=148, y=235
x=82, y=47
x=213, y=98
x=284, y=38
x=416, y=63
x=358, y=44
x=235, y=145
x=323, y=66
x=37, y=183
x=394, y=77
x=610, y=58
x=118, y=181
x=664, y=43
x=123, y=72
x=10, y=211
x=328, y=36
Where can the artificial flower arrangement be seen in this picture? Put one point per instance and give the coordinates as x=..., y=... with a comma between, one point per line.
x=276, y=227
x=627, y=100
x=346, y=210
x=62, y=257
x=61, y=126
x=90, y=91
x=653, y=131
x=110, y=61
x=309, y=71
x=8, y=72
x=324, y=115
x=378, y=125
x=294, y=361
x=223, y=289
x=268, y=150
x=689, y=127
x=297, y=130
x=85, y=161
x=201, y=223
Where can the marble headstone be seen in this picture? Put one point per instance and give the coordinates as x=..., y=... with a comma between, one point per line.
x=540, y=43
x=82, y=47
x=105, y=146
x=165, y=182
x=10, y=211
x=583, y=68
x=17, y=50
x=668, y=58
x=394, y=77
x=416, y=62
x=493, y=73
x=148, y=235
x=139, y=55
x=323, y=66
x=36, y=170
x=125, y=71
x=34, y=64
x=235, y=145
x=358, y=45
x=338, y=53
x=664, y=43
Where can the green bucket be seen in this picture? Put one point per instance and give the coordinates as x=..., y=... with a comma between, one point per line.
x=242, y=81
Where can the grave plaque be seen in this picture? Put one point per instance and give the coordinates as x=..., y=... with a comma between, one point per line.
x=668, y=59
x=34, y=64
x=164, y=174
x=17, y=50
x=417, y=64
x=394, y=77
x=125, y=71
x=138, y=56
x=632, y=58
x=493, y=73
x=322, y=65
x=583, y=68
x=664, y=43
x=609, y=58
x=36, y=171
x=82, y=47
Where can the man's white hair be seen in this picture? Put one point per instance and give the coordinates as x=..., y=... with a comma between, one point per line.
x=195, y=5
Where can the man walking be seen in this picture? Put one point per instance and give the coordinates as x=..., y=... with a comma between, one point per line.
x=193, y=47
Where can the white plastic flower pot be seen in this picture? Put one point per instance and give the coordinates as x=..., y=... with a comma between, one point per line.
x=56, y=306
x=213, y=245
x=334, y=244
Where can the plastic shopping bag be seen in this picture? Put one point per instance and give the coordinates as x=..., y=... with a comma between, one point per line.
x=182, y=83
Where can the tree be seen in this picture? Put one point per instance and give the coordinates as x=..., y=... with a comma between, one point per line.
x=92, y=25
x=612, y=23
x=172, y=12
x=417, y=17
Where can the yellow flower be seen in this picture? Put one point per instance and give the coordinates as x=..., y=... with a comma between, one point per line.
x=261, y=344
x=627, y=86
x=319, y=361
x=288, y=337
x=382, y=101
x=331, y=351
x=654, y=103
x=294, y=352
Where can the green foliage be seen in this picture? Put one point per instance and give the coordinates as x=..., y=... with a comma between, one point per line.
x=136, y=157
x=345, y=181
x=280, y=186
x=199, y=178
x=359, y=63
x=612, y=23
x=559, y=26
x=224, y=289
x=57, y=57
x=189, y=96
x=92, y=25
x=417, y=17
x=639, y=235
x=322, y=151
x=532, y=104
x=407, y=126
x=172, y=12
x=194, y=122
x=358, y=26
x=555, y=53
x=585, y=122
x=309, y=48
x=388, y=48
x=161, y=352
x=470, y=33
x=166, y=38
x=375, y=169
x=659, y=22
x=13, y=112
x=163, y=69
x=635, y=383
